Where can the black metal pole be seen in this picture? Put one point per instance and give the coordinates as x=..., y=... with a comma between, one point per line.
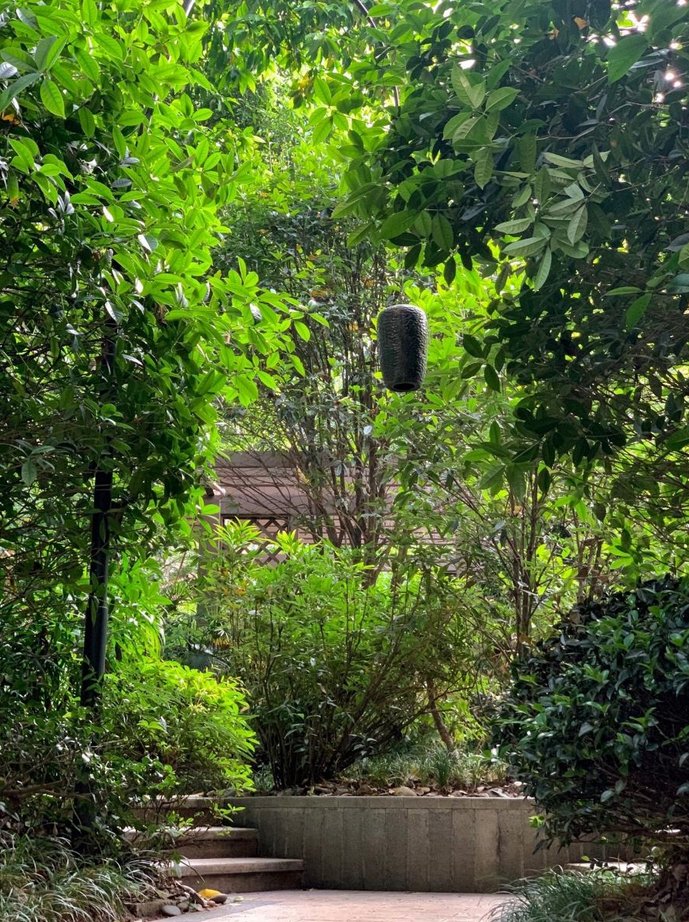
x=96, y=626
x=96, y=622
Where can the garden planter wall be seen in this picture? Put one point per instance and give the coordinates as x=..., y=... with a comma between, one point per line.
x=444, y=844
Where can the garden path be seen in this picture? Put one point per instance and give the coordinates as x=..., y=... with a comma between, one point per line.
x=356, y=906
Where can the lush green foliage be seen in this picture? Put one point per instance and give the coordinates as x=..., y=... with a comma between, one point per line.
x=189, y=723
x=164, y=729
x=596, y=722
x=336, y=662
x=117, y=337
x=523, y=137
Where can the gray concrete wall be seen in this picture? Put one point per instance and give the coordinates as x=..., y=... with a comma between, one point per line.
x=444, y=844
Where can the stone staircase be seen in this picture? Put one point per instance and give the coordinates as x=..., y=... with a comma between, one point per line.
x=225, y=858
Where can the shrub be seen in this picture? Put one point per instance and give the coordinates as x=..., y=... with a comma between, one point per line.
x=190, y=722
x=337, y=660
x=163, y=729
x=597, y=719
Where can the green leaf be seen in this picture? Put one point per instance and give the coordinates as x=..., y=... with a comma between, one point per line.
x=636, y=310
x=47, y=52
x=484, y=168
x=89, y=65
x=396, y=224
x=623, y=290
x=565, y=162
x=492, y=378
x=527, y=149
x=677, y=440
x=51, y=97
x=529, y=246
x=625, y=53
x=14, y=89
x=518, y=226
x=501, y=99
x=679, y=285
x=472, y=346
x=29, y=472
x=543, y=270
x=302, y=330
x=87, y=122
x=423, y=225
x=577, y=225
x=470, y=88
x=442, y=232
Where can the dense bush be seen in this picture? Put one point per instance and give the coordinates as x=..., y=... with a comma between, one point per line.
x=597, y=719
x=191, y=723
x=163, y=729
x=337, y=660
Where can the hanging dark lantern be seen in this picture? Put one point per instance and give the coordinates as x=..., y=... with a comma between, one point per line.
x=403, y=347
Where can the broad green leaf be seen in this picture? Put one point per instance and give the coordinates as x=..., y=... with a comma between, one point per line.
x=442, y=232
x=636, y=310
x=302, y=330
x=484, y=168
x=396, y=224
x=492, y=379
x=526, y=247
x=577, y=225
x=501, y=98
x=677, y=440
x=543, y=270
x=565, y=162
x=52, y=99
x=623, y=290
x=518, y=226
x=527, y=149
x=29, y=472
x=470, y=88
x=47, y=52
x=625, y=53
x=89, y=65
x=423, y=225
x=87, y=122
x=14, y=89
x=679, y=285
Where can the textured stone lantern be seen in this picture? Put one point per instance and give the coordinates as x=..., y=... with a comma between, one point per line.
x=403, y=347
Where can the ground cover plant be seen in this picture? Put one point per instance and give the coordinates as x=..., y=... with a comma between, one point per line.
x=593, y=896
x=44, y=881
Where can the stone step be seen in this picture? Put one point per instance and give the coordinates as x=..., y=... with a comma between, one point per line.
x=210, y=841
x=242, y=875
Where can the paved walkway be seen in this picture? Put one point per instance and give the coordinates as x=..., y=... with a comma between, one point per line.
x=355, y=906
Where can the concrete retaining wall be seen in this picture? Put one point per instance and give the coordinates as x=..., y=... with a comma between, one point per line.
x=445, y=844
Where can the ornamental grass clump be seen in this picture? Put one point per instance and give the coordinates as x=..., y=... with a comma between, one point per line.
x=42, y=880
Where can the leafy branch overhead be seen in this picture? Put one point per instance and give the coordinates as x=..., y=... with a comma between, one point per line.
x=548, y=138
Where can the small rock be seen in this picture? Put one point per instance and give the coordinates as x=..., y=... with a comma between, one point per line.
x=171, y=910
x=150, y=908
x=403, y=791
x=219, y=899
